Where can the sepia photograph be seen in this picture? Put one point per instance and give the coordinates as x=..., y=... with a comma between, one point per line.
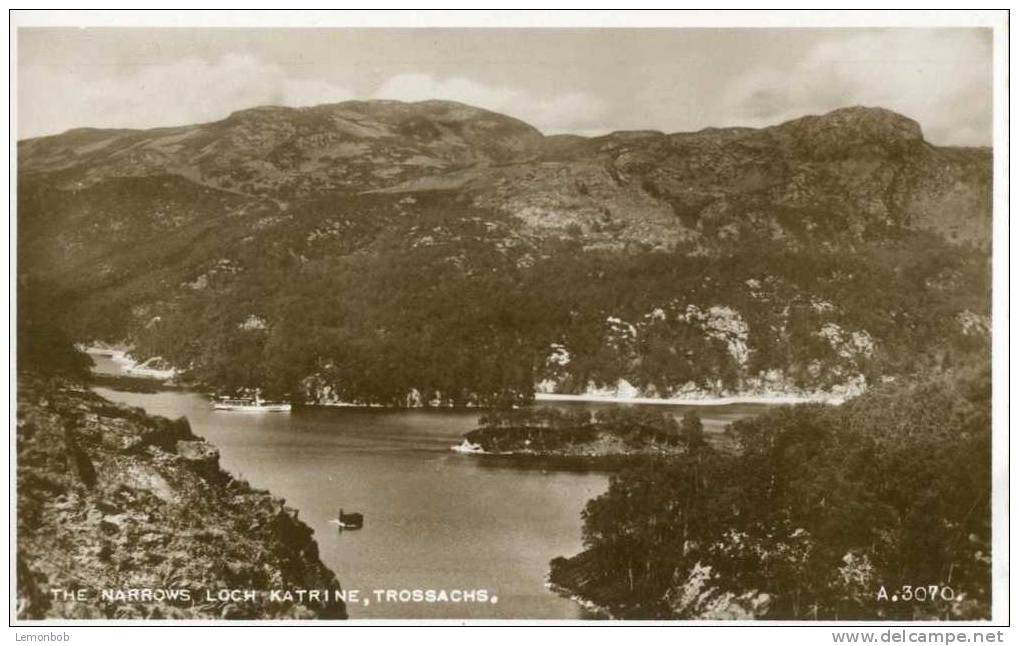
x=678, y=318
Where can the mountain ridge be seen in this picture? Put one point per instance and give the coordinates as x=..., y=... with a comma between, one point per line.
x=858, y=109
x=282, y=153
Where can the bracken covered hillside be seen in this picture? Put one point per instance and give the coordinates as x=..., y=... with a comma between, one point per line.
x=434, y=252
x=112, y=499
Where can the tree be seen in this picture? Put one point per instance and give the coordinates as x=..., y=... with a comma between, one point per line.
x=44, y=346
x=691, y=430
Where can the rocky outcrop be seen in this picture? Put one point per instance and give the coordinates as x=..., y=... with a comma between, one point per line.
x=697, y=596
x=126, y=516
x=836, y=377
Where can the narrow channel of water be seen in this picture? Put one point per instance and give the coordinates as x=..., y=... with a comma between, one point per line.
x=434, y=519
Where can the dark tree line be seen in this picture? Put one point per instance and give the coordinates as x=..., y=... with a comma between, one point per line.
x=552, y=429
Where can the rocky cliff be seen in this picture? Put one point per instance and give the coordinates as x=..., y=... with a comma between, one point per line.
x=126, y=516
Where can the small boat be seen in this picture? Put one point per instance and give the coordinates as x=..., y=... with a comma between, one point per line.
x=349, y=521
x=250, y=405
x=154, y=368
x=120, y=356
x=94, y=350
x=468, y=447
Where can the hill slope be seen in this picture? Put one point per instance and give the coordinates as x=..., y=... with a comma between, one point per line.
x=112, y=500
x=393, y=253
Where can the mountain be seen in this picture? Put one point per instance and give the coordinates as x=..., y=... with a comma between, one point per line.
x=435, y=252
x=287, y=152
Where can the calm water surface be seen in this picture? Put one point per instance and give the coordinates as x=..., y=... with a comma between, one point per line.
x=433, y=519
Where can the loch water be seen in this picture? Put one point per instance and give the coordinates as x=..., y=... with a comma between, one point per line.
x=435, y=520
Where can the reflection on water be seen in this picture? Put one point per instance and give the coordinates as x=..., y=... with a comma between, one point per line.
x=434, y=519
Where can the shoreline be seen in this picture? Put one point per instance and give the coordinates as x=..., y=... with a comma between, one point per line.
x=777, y=399
x=771, y=400
x=600, y=613
x=143, y=384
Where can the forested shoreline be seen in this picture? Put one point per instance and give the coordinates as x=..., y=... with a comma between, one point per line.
x=820, y=513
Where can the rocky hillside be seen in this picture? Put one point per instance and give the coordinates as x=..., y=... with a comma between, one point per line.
x=856, y=171
x=112, y=500
x=350, y=251
x=291, y=152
